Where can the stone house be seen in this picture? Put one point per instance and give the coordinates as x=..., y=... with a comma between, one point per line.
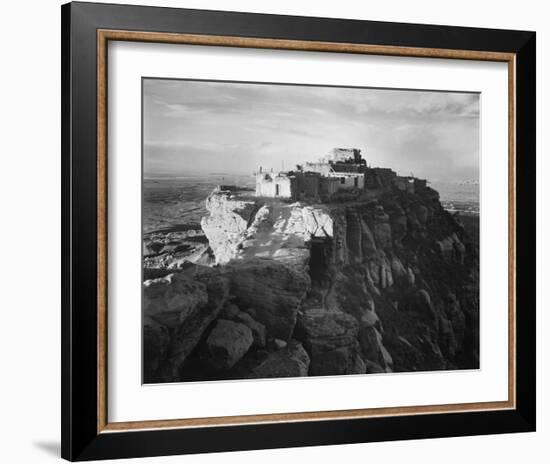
x=342, y=169
x=279, y=185
x=349, y=180
x=300, y=185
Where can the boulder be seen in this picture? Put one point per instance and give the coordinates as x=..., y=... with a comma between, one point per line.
x=172, y=298
x=186, y=337
x=279, y=344
x=230, y=311
x=227, y=343
x=330, y=338
x=292, y=361
x=257, y=328
x=273, y=289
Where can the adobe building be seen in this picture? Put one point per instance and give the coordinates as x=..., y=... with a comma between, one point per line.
x=294, y=185
x=280, y=185
x=344, y=164
x=346, y=156
x=342, y=169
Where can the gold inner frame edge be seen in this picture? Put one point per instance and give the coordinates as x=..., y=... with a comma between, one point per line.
x=106, y=35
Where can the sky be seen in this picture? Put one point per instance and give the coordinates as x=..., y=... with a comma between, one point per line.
x=201, y=127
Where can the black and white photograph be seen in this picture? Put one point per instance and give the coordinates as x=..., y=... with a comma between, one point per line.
x=298, y=230
x=276, y=232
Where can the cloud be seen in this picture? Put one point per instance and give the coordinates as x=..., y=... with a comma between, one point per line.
x=238, y=126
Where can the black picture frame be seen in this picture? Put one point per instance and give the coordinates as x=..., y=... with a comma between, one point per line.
x=80, y=437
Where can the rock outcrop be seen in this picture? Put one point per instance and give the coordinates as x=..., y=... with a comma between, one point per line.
x=290, y=361
x=270, y=291
x=227, y=343
x=167, y=251
x=384, y=282
x=177, y=310
x=330, y=337
x=239, y=229
x=227, y=223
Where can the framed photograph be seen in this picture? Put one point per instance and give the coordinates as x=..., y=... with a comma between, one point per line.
x=292, y=231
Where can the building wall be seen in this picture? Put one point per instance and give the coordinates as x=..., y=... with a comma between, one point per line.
x=268, y=185
x=311, y=185
x=347, y=167
x=329, y=185
x=321, y=168
x=348, y=180
x=380, y=178
x=302, y=185
x=371, y=180
x=343, y=154
x=306, y=184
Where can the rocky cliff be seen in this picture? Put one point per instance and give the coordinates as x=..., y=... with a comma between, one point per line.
x=387, y=281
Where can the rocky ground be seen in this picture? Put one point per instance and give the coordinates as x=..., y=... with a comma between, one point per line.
x=384, y=282
x=167, y=250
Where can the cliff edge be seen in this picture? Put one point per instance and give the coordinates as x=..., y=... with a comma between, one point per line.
x=384, y=282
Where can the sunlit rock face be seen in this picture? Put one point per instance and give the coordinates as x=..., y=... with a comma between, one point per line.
x=241, y=229
x=387, y=282
x=227, y=223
